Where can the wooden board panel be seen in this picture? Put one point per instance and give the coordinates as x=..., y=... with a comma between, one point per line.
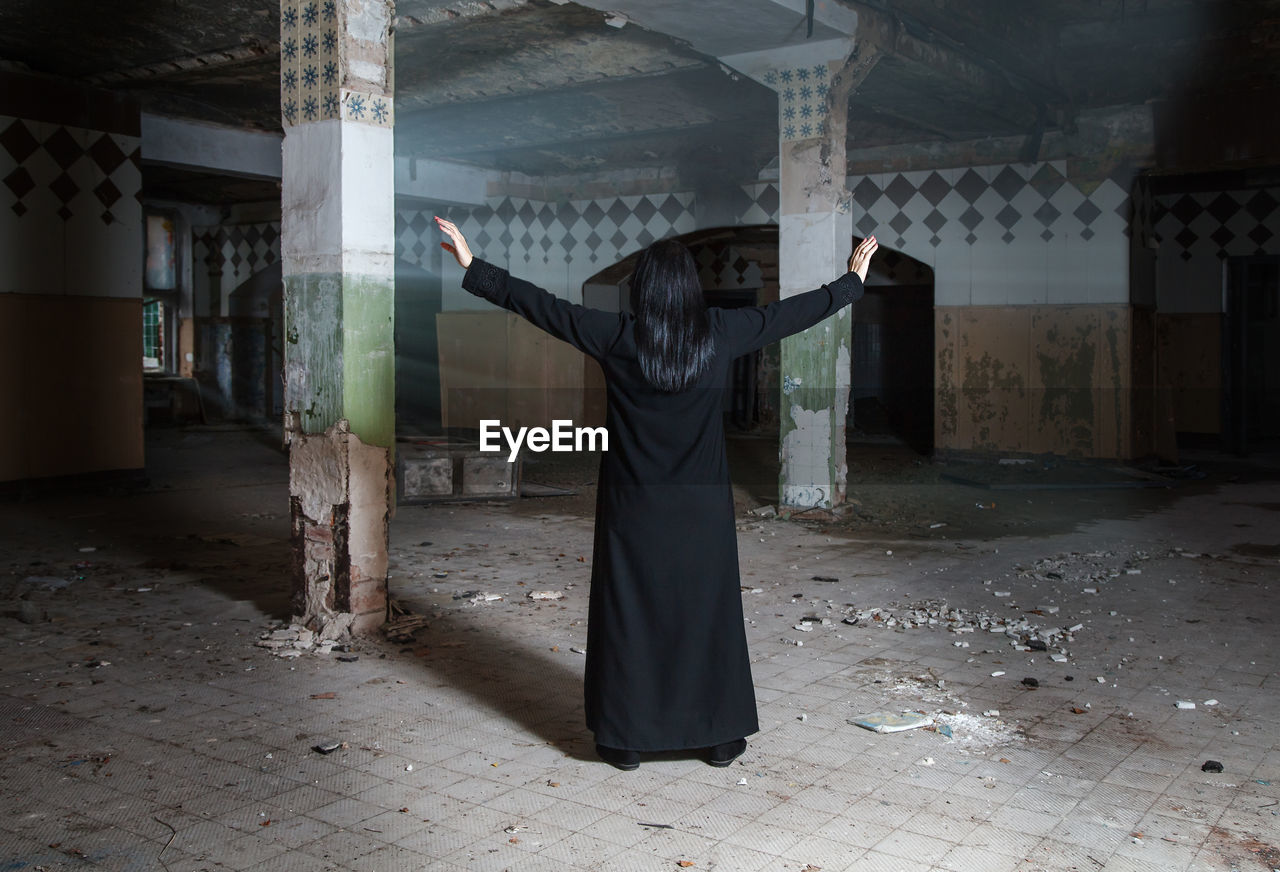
x=1189, y=362
x=526, y=380
x=77, y=403
x=473, y=367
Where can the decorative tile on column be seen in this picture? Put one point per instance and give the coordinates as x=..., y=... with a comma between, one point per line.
x=802, y=100
x=372, y=109
x=309, y=90
x=310, y=65
x=290, y=53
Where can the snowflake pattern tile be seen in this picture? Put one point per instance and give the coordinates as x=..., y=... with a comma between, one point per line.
x=372, y=109
x=311, y=70
x=802, y=100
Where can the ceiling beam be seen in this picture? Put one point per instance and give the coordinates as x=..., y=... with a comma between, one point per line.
x=212, y=60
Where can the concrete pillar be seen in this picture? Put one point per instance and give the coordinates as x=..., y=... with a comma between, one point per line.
x=337, y=247
x=815, y=240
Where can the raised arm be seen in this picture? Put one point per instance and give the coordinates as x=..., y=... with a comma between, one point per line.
x=754, y=327
x=589, y=330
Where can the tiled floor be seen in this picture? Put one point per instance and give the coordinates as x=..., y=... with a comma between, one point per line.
x=142, y=729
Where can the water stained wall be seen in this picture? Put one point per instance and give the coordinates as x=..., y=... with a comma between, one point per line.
x=1034, y=379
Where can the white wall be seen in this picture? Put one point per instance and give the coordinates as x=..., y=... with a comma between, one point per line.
x=1006, y=234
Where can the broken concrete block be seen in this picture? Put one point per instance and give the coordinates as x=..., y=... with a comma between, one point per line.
x=426, y=475
x=489, y=476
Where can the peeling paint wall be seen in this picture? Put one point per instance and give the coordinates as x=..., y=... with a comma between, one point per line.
x=313, y=349
x=1034, y=379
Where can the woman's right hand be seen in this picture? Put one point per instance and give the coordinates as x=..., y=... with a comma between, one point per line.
x=861, y=257
x=459, y=247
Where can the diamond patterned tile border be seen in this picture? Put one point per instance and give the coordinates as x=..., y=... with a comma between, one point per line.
x=63, y=148
x=1036, y=204
x=602, y=230
x=1219, y=224
x=233, y=254
x=55, y=185
x=18, y=141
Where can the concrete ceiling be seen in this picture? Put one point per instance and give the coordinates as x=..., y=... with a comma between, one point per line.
x=546, y=87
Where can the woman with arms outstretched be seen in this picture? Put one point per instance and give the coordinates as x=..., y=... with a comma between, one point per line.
x=667, y=666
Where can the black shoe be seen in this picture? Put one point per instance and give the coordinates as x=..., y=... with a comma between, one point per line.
x=619, y=758
x=722, y=755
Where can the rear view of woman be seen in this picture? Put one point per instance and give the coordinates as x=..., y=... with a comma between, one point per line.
x=667, y=665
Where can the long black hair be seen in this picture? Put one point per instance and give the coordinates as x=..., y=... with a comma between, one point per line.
x=673, y=336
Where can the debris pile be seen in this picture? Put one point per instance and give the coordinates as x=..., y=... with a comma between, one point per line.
x=1022, y=633
x=1088, y=569
x=294, y=640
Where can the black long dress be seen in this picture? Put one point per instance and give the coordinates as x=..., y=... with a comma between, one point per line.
x=667, y=665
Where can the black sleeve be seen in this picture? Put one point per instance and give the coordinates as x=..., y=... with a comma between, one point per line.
x=588, y=330
x=752, y=327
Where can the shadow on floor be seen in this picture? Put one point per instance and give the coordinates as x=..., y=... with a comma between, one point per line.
x=529, y=685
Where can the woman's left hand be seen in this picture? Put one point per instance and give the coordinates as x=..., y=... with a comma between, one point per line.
x=459, y=248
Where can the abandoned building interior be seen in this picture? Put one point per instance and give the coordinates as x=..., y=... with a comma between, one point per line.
x=268, y=605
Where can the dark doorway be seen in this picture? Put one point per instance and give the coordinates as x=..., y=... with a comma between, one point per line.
x=1251, y=353
x=892, y=385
